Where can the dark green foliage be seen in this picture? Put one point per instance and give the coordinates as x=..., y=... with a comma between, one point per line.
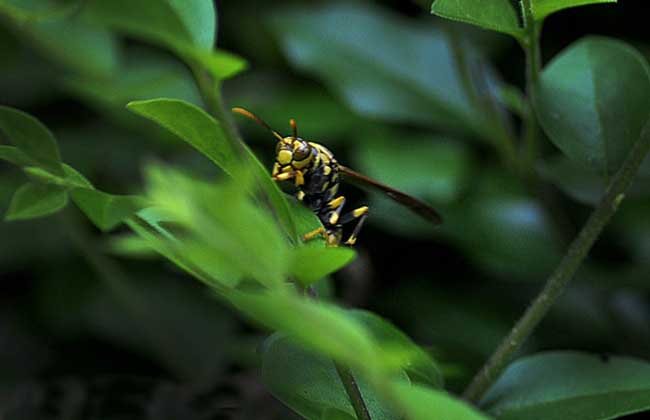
x=108, y=324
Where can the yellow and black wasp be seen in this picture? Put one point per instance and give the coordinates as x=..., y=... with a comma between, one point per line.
x=316, y=176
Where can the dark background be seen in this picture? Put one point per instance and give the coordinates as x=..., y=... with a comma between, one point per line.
x=149, y=342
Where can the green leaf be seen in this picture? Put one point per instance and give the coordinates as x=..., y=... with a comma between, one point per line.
x=594, y=101
x=543, y=8
x=35, y=200
x=105, y=210
x=339, y=336
x=76, y=45
x=421, y=403
x=309, y=384
x=30, y=10
x=144, y=75
x=311, y=263
x=496, y=15
x=32, y=138
x=400, y=350
x=186, y=27
x=382, y=66
x=13, y=155
x=168, y=22
x=563, y=385
x=205, y=134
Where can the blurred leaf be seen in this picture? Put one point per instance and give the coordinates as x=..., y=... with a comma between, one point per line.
x=543, y=8
x=497, y=15
x=421, y=403
x=561, y=385
x=585, y=186
x=436, y=170
x=594, y=100
x=222, y=231
x=35, y=200
x=334, y=414
x=395, y=344
x=144, y=75
x=31, y=137
x=105, y=210
x=577, y=181
x=516, y=237
x=13, y=155
x=186, y=27
x=382, y=66
x=168, y=320
x=318, y=114
x=339, y=336
x=76, y=45
x=312, y=263
x=309, y=384
x=205, y=134
x=164, y=21
x=33, y=10
x=433, y=168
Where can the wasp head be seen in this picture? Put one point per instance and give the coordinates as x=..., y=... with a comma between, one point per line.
x=293, y=153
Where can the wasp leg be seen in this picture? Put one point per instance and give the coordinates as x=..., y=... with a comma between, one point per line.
x=297, y=175
x=361, y=214
x=314, y=233
x=336, y=207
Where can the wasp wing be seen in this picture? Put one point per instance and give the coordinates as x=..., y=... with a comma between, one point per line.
x=417, y=206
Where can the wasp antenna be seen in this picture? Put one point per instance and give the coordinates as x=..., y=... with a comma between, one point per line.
x=294, y=127
x=257, y=119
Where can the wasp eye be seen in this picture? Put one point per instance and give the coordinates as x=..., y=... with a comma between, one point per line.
x=301, y=152
x=278, y=147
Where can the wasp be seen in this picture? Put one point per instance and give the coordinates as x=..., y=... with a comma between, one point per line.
x=316, y=175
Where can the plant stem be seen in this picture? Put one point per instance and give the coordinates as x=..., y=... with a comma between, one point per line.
x=533, y=65
x=557, y=282
x=353, y=391
x=345, y=374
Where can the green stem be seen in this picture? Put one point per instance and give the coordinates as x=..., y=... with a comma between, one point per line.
x=345, y=374
x=558, y=281
x=353, y=391
x=531, y=47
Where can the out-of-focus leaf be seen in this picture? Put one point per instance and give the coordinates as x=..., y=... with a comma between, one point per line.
x=186, y=27
x=561, y=385
x=35, y=200
x=594, y=101
x=311, y=263
x=205, y=134
x=585, y=186
x=399, y=349
x=334, y=414
x=31, y=10
x=106, y=210
x=543, y=8
x=319, y=116
x=339, y=336
x=144, y=75
x=13, y=155
x=434, y=170
x=76, y=45
x=515, y=235
x=421, y=403
x=309, y=384
x=497, y=15
x=32, y=138
x=164, y=21
x=382, y=66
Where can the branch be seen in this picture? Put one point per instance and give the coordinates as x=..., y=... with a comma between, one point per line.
x=558, y=281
